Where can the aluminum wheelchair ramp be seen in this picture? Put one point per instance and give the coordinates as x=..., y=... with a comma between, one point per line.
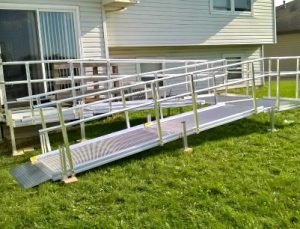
x=102, y=150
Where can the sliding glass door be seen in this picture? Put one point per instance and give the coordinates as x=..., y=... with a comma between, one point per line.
x=35, y=35
x=19, y=42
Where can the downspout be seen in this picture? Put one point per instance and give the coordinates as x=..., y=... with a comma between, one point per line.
x=105, y=35
x=107, y=56
x=274, y=24
x=262, y=55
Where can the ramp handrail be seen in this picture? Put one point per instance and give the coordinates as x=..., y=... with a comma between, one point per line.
x=151, y=81
x=122, y=77
x=156, y=100
x=156, y=92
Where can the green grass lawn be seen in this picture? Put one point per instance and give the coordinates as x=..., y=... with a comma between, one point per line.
x=239, y=175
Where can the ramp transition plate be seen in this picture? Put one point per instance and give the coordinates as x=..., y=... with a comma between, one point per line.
x=29, y=175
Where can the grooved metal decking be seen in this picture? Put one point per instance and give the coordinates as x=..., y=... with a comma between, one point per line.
x=23, y=118
x=102, y=150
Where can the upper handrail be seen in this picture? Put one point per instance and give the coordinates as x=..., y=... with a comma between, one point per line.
x=118, y=79
x=99, y=61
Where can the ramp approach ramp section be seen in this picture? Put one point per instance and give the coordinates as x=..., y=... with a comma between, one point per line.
x=68, y=78
x=96, y=152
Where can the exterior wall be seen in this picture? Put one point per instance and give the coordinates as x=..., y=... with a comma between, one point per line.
x=287, y=45
x=189, y=22
x=90, y=17
x=188, y=52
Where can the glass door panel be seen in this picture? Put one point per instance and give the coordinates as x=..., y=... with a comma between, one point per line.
x=19, y=42
x=58, y=36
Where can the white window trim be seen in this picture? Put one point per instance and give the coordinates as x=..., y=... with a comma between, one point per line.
x=232, y=11
x=50, y=8
x=242, y=59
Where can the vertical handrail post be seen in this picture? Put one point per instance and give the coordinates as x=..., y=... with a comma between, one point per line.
x=71, y=67
x=29, y=90
x=269, y=78
x=44, y=126
x=82, y=124
x=65, y=137
x=110, y=84
x=195, y=107
x=208, y=78
x=297, y=78
x=146, y=92
x=82, y=73
x=248, y=78
x=262, y=68
x=226, y=77
x=278, y=85
x=253, y=87
x=124, y=106
x=2, y=87
x=158, y=95
x=215, y=86
x=186, y=77
x=157, y=112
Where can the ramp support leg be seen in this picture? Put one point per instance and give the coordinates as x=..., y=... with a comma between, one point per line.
x=126, y=112
x=253, y=87
x=157, y=112
x=12, y=135
x=278, y=85
x=186, y=148
x=272, y=120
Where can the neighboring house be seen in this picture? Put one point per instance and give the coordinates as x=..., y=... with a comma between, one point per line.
x=176, y=29
x=288, y=34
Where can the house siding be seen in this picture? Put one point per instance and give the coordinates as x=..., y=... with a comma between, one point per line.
x=90, y=17
x=188, y=22
x=287, y=45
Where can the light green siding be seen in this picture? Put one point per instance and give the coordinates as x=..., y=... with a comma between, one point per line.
x=188, y=22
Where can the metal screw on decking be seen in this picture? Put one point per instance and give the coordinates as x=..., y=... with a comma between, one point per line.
x=185, y=140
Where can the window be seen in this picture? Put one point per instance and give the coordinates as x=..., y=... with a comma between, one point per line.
x=231, y=5
x=150, y=67
x=234, y=72
x=242, y=5
x=222, y=5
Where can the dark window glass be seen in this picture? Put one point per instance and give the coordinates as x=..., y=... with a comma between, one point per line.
x=234, y=72
x=242, y=5
x=19, y=42
x=222, y=5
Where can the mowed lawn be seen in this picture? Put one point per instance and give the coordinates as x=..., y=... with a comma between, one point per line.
x=239, y=175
